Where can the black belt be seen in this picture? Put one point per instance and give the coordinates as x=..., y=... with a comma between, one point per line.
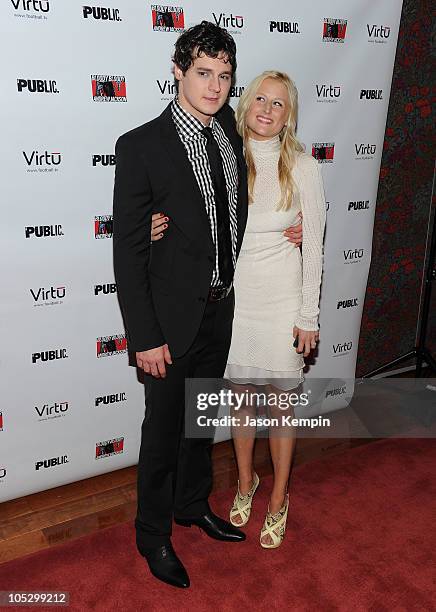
x=218, y=293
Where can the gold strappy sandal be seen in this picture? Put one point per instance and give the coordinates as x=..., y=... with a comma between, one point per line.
x=275, y=525
x=242, y=504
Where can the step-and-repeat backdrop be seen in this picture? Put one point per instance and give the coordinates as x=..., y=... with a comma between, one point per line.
x=77, y=76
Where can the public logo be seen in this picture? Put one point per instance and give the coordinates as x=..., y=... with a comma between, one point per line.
x=233, y=23
x=114, y=398
x=336, y=392
x=327, y=92
x=103, y=226
x=341, y=349
x=42, y=162
x=167, y=18
x=54, y=355
x=111, y=345
x=37, y=86
x=284, y=27
x=109, y=448
x=101, y=14
x=52, y=411
x=365, y=150
x=105, y=289
x=371, y=94
x=323, y=152
x=103, y=160
x=334, y=30
x=236, y=92
x=358, y=205
x=347, y=303
x=378, y=33
x=31, y=9
x=1, y=420
x=49, y=463
x=48, y=297
x=43, y=231
x=108, y=88
x=353, y=255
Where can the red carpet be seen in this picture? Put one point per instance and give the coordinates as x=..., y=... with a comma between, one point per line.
x=360, y=537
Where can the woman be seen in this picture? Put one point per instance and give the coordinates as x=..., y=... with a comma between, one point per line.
x=276, y=289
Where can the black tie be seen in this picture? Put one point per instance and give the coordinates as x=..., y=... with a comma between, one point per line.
x=224, y=246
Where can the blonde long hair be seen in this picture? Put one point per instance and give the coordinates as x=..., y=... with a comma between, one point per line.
x=289, y=144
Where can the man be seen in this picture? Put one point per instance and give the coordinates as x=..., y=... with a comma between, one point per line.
x=176, y=294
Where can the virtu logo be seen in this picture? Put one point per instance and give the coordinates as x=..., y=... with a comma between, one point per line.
x=31, y=8
x=378, y=33
x=48, y=297
x=353, y=256
x=365, y=151
x=42, y=162
x=228, y=21
x=342, y=348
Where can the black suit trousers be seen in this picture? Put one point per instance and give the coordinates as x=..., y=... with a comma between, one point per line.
x=174, y=471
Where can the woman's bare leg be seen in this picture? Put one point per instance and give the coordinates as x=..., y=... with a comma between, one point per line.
x=282, y=442
x=243, y=441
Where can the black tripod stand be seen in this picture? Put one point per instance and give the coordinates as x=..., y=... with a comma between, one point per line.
x=420, y=352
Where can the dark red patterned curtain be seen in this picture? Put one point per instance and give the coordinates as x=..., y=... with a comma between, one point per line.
x=392, y=300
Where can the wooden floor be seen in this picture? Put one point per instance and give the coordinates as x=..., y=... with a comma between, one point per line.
x=49, y=518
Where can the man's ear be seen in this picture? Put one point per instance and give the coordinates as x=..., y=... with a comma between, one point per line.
x=178, y=72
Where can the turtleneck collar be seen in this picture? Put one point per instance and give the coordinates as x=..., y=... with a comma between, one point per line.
x=265, y=146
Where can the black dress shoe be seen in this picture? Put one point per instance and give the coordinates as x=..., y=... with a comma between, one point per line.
x=165, y=565
x=215, y=527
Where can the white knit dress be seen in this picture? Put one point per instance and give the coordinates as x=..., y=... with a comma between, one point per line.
x=276, y=288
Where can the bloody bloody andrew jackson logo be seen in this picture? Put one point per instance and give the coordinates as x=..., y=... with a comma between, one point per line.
x=334, y=30
x=167, y=18
x=103, y=226
x=108, y=88
x=323, y=152
x=109, y=447
x=111, y=345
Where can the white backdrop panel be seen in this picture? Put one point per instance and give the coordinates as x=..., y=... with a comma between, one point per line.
x=66, y=413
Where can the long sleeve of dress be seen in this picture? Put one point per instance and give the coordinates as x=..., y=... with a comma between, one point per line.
x=310, y=184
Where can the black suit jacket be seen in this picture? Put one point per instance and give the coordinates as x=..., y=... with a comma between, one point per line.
x=163, y=287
